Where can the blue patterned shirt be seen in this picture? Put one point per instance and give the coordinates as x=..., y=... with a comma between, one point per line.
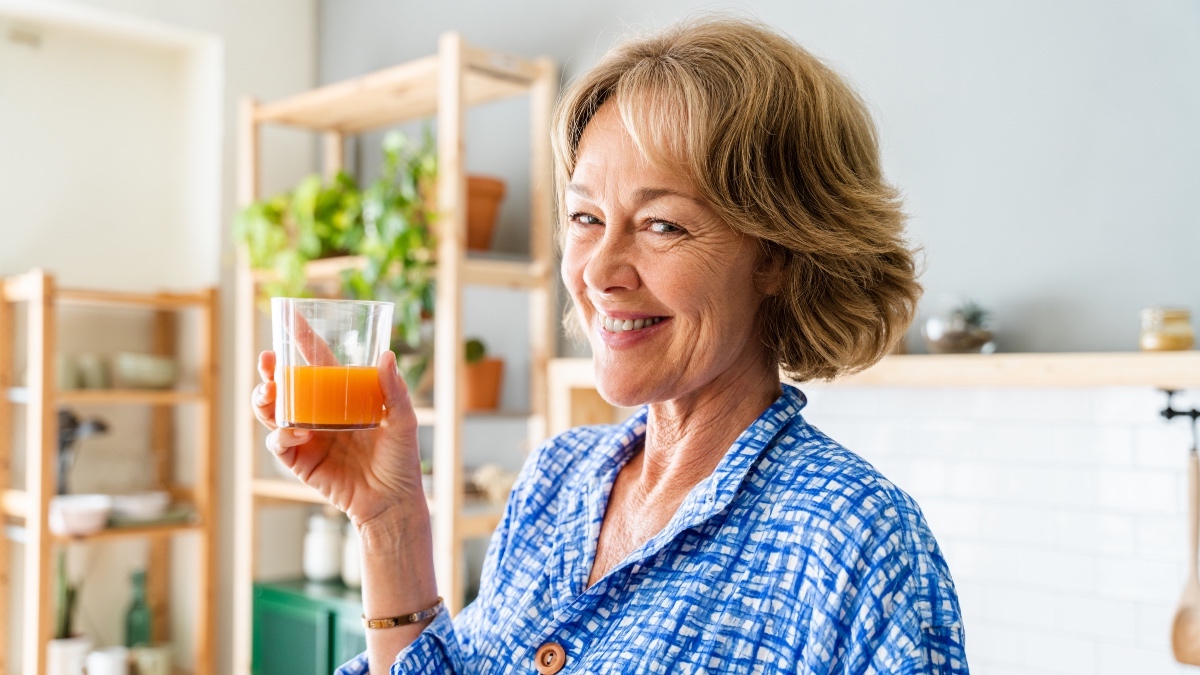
x=794, y=556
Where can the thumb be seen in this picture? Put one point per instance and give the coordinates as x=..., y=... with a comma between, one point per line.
x=393, y=387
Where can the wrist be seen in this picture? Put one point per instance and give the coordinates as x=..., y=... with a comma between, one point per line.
x=395, y=529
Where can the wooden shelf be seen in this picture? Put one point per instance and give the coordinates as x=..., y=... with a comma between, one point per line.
x=285, y=491
x=71, y=296
x=133, y=531
x=478, y=271
x=1168, y=370
x=399, y=94
x=478, y=518
x=115, y=396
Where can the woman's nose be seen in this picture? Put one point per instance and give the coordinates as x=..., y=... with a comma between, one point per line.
x=611, y=266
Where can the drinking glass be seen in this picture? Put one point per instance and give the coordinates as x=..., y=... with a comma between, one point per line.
x=326, y=362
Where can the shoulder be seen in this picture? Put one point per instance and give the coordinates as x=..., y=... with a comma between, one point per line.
x=862, y=527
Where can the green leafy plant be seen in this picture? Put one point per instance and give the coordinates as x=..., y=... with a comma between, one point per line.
x=66, y=595
x=315, y=220
x=398, y=239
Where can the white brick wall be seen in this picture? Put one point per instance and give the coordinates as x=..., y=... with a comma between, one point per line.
x=1061, y=513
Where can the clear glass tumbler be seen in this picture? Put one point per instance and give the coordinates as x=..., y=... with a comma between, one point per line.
x=326, y=362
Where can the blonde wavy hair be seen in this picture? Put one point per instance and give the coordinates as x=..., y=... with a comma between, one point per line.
x=784, y=151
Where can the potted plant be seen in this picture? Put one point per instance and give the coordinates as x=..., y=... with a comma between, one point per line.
x=483, y=376
x=964, y=328
x=67, y=652
x=313, y=221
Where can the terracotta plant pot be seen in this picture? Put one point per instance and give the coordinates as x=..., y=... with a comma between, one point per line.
x=484, y=195
x=483, y=384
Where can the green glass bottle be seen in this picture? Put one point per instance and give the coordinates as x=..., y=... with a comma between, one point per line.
x=137, y=619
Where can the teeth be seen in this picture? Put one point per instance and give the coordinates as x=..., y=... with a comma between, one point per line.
x=620, y=326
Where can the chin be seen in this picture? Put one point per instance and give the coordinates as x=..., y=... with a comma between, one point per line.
x=625, y=387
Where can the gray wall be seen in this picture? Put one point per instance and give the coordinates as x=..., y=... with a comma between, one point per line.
x=1048, y=151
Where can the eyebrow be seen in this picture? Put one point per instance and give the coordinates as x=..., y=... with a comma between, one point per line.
x=641, y=196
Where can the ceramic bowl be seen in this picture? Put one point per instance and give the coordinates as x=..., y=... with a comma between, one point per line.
x=143, y=371
x=141, y=505
x=79, y=515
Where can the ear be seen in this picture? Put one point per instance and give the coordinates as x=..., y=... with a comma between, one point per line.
x=772, y=262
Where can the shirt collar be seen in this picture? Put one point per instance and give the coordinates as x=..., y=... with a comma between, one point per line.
x=708, y=498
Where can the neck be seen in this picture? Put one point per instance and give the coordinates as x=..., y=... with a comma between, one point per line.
x=686, y=437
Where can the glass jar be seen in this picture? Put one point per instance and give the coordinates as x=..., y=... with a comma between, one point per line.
x=1166, y=329
x=323, y=549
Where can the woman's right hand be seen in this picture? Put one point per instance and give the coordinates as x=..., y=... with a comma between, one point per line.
x=372, y=474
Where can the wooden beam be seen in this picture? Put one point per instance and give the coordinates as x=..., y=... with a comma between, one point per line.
x=7, y=337
x=334, y=154
x=542, y=305
x=245, y=365
x=162, y=452
x=448, y=348
x=41, y=451
x=206, y=485
x=78, y=296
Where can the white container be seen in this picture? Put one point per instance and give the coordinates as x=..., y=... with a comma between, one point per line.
x=92, y=371
x=79, y=515
x=323, y=549
x=154, y=660
x=351, y=558
x=141, y=505
x=67, y=656
x=110, y=661
x=143, y=371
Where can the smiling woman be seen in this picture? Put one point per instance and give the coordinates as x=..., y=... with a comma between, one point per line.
x=723, y=216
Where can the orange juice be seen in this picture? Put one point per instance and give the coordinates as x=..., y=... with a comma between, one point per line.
x=331, y=397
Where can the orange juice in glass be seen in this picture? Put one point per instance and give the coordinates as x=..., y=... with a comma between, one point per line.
x=326, y=362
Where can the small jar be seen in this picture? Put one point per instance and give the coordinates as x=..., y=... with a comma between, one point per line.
x=322, y=549
x=351, y=563
x=1166, y=329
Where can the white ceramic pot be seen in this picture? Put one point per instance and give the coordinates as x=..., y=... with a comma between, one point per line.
x=110, y=661
x=141, y=505
x=67, y=656
x=154, y=660
x=79, y=515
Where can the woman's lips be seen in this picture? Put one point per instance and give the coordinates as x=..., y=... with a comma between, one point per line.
x=614, y=334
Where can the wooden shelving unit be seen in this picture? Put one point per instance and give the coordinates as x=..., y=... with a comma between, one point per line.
x=442, y=86
x=574, y=401
x=29, y=508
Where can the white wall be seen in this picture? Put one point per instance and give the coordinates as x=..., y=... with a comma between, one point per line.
x=96, y=206
x=1060, y=513
x=1046, y=149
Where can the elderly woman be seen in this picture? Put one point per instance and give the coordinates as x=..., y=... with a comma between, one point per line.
x=724, y=216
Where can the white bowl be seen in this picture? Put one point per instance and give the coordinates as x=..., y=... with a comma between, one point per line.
x=143, y=371
x=79, y=515
x=141, y=505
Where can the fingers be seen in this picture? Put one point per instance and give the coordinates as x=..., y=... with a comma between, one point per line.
x=395, y=391
x=266, y=366
x=263, y=400
x=281, y=442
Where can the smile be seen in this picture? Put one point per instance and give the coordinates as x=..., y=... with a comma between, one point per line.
x=625, y=325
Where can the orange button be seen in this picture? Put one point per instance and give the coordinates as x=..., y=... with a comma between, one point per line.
x=550, y=658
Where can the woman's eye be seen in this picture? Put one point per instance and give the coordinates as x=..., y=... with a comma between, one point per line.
x=663, y=227
x=583, y=219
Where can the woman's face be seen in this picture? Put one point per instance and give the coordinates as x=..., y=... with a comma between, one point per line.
x=663, y=287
